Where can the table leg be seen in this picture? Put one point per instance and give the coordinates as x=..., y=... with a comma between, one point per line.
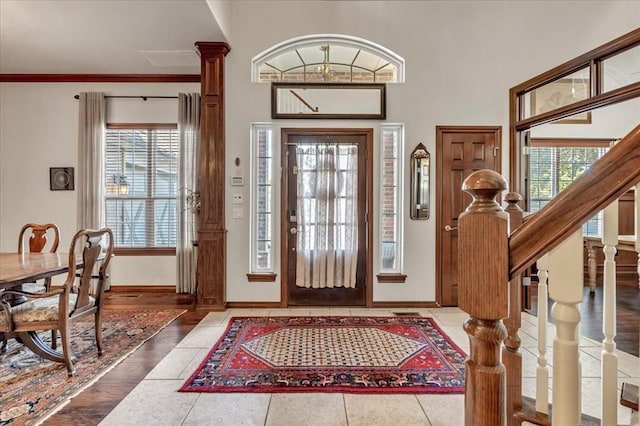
x=32, y=341
x=592, y=267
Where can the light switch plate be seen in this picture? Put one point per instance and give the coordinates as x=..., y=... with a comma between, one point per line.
x=238, y=213
x=238, y=199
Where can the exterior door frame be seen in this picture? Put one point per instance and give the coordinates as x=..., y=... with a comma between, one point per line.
x=284, y=226
x=440, y=131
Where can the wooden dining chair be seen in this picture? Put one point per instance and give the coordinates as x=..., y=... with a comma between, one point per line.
x=57, y=309
x=39, y=238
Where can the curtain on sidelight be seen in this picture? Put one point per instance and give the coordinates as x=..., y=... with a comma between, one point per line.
x=327, y=193
x=188, y=202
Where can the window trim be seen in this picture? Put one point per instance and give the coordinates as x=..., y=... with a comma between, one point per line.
x=386, y=274
x=142, y=251
x=255, y=270
x=335, y=39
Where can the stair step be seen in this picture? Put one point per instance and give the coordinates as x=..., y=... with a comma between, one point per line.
x=629, y=396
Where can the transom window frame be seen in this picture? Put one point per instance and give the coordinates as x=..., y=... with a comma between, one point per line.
x=323, y=40
x=109, y=180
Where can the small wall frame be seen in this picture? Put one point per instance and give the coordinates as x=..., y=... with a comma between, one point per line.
x=420, y=170
x=61, y=179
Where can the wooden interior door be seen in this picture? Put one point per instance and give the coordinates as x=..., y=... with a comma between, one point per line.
x=460, y=150
x=293, y=295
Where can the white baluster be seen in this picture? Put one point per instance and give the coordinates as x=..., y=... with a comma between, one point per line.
x=542, y=371
x=609, y=366
x=565, y=288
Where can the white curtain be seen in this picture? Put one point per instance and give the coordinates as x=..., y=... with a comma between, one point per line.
x=91, y=140
x=327, y=192
x=189, y=129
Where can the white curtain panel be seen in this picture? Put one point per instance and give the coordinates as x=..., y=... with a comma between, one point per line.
x=91, y=134
x=91, y=141
x=327, y=192
x=189, y=129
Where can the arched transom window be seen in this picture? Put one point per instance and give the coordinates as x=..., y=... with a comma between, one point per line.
x=328, y=58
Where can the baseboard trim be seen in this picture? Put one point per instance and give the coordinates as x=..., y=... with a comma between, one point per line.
x=254, y=305
x=142, y=289
x=407, y=304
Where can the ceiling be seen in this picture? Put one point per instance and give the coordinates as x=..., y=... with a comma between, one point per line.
x=104, y=36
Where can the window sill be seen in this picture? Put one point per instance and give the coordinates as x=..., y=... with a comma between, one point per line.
x=144, y=251
x=391, y=278
x=262, y=278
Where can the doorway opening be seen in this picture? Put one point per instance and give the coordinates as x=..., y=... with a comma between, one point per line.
x=326, y=226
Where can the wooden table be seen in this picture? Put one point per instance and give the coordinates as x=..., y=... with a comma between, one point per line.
x=17, y=268
x=625, y=242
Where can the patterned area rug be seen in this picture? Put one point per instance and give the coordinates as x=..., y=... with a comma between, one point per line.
x=331, y=354
x=31, y=389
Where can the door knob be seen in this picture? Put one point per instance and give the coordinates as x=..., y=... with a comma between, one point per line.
x=293, y=230
x=450, y=228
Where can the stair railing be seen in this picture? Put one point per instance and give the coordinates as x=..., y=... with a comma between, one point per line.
x=490, y=256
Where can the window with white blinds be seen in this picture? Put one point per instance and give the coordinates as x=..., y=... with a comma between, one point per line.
x=141, y=185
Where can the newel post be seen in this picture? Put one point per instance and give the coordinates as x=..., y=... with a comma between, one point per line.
x=483, y=294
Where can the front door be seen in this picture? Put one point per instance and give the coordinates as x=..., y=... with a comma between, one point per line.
x=460, y=150
x=325, y=225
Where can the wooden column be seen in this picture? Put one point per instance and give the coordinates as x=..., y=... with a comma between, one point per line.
x=212, y=234
x=483, y=265
x=511, y=356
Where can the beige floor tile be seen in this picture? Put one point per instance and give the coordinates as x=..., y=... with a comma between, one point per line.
x=308, y=409
x=172, y=365
x=232, y=409
x=370, y=410
x=443, y=410
x=201, y=338
x=190, y=368
x=153, y=402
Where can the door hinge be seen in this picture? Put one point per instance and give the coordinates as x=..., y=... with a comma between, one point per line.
x=294, y=170
x=495, y=151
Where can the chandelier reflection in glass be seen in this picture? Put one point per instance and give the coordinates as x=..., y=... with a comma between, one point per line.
x=324, y=69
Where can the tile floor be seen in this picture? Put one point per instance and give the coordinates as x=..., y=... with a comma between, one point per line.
x=155, y=401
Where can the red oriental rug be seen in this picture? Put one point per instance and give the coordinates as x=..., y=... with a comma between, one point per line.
x=331, y=354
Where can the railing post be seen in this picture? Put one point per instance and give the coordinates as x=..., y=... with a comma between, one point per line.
x=566, y=284
x=483, y=293
x=609, y=367
x=511, y=356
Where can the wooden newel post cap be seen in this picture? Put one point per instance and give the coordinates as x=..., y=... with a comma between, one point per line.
x=513, y=198
x=484, y=185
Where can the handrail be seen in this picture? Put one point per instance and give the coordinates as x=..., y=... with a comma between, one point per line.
x=607, y=180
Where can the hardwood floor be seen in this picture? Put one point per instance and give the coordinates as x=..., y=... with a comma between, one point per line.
x=92, y=405
x=627, y=313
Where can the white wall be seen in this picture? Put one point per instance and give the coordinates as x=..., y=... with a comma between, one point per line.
x=461, y=59
x=38, y=130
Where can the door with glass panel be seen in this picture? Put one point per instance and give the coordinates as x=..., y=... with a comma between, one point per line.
x=325, y=224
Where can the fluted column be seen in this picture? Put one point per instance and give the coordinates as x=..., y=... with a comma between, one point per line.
x=212, y=234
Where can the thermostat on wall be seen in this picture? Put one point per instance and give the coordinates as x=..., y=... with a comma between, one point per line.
x=237, y=180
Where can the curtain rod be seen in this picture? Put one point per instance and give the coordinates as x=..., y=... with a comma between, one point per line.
x=144, y=98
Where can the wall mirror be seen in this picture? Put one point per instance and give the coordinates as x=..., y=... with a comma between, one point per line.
x=420, y=166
